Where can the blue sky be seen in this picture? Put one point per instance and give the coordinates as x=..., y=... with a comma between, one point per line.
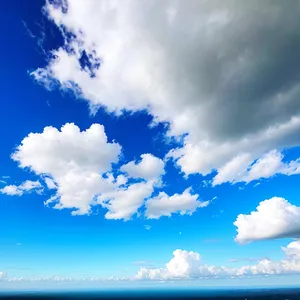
x=145, y=146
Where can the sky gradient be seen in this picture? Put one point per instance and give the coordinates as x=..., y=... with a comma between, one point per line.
x=147, y=143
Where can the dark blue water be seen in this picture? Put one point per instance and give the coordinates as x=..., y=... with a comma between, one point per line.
x=272, y=294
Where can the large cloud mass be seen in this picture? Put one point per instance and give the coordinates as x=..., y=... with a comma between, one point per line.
x=224, y=72
x=273, y=218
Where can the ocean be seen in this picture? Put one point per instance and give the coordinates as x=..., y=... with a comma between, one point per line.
x=259, y=294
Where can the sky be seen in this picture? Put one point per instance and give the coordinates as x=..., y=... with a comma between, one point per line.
x=149, y=143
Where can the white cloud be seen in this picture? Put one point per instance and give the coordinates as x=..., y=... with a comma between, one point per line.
x=30, y=185
x=165, y=205
x=121, y=179
x=11, y=190
x=273, y=218
x=242, y=169
x=149, y=168
x=188, y=265
x=77, y=166
x=124, y=203
x=26, y=187
x=293, y=249
x=204, y=67
x=232, y=170
x=76, y=160
x=183, y=265
x=50, y=183
x=289, y=265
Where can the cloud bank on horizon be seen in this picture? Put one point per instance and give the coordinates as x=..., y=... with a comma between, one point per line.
x=188, y=265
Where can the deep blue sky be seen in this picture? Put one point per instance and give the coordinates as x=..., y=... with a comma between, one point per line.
x=38, y=241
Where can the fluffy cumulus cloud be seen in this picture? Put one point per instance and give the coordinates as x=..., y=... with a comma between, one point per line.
x=149, y=168
x=123, y=203
x=165, y=205
x=293, y=249
x=273, y=218
x=76, y=160
x=26, y=187
x=188, y=265
x=224, y=73
x=76, y=167
x=183, y=265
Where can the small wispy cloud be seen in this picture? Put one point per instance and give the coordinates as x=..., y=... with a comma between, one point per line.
x=206, y=183
x=209, y=241
x=248, y=259
x=143, y=263
x=28, y=31
x=221, y=211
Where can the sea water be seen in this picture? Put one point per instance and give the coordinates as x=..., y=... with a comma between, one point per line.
x=210, y=294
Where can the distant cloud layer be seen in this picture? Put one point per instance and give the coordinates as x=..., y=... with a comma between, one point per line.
x=225, y=73
x=188, y=265
x=273, y=218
